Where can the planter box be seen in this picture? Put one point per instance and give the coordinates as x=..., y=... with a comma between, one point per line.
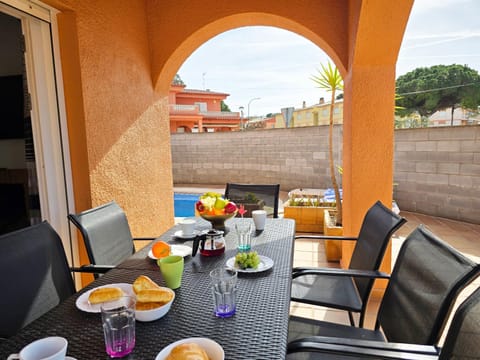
x=307, y=218
x=333, y=248
x=249, y=206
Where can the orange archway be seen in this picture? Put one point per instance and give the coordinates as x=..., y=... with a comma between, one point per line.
x=362, y=38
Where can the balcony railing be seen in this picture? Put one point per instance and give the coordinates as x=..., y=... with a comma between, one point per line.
x=220, y=114
x=184, y=109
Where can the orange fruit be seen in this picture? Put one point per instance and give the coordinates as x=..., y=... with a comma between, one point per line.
x=219, y=211
x=160, y=249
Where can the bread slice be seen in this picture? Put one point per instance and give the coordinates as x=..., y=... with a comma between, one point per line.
x=154, y=295
x=144, y=283
x=105, y=294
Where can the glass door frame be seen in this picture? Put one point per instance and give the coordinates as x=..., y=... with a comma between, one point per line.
x=49, y=125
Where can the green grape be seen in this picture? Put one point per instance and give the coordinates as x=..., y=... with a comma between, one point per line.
x=245, y=260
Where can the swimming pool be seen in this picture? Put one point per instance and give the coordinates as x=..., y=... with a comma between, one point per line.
x=184, y=204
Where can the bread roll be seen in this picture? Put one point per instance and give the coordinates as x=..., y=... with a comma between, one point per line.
x=144, y=283
x=148, y=305
x=187, y=351
x=154, y=295
x=105, y=294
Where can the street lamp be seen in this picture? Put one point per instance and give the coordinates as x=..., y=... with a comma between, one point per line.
x=241, y=117
x=248, y=109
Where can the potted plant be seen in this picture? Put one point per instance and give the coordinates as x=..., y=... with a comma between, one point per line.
x=307, y=208
x=330, y=80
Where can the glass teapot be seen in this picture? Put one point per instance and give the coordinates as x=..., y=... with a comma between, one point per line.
x=211, y=243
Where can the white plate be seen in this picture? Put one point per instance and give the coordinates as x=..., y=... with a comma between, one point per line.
x=83, y=304
x=212, y=348
x=182, y=250
x=180, y=235
x=265, y=264
x=69, y=358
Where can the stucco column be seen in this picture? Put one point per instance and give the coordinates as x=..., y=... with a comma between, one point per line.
x=367, y=146
x=377, y=29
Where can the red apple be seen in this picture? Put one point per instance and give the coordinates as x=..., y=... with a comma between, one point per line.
x=199, y=206
x=230, y=208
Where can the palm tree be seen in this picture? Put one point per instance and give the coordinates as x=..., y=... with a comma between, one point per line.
x=329, y=79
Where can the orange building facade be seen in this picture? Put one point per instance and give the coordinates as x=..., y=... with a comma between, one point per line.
x=199, y=111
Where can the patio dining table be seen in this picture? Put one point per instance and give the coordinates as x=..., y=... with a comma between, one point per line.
x=258, y=330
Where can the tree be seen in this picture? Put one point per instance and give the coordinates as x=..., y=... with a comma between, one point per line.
x=427, y=90
x=224, y=107
x=329, y=79
x=177, y=80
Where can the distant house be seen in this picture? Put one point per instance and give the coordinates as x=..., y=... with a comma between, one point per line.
x=318, y=114
x=199, y=111
x=461, y=116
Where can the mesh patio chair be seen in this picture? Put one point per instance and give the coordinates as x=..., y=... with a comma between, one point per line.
x=268, y=193
x=35, y=276
x=461, y=342
x=107, y=237
x=340, y=288
x=426, y=279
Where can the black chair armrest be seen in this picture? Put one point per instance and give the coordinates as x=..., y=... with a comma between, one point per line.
x=339, y=272
x=93, y=269
x=144, y=239
x=371, y=344
x=363, y=350
x=326, y=237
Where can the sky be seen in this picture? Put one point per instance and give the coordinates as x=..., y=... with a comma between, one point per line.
x=265, y=69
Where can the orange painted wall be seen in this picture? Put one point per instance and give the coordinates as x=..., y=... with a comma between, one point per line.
x=123, y=133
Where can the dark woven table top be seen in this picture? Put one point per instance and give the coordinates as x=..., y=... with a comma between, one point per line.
x=258, y=330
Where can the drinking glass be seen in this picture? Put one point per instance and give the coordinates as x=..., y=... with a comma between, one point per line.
x=118, y=320
x=244, y=235
x=224, y=291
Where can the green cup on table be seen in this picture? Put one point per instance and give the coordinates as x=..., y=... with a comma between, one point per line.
x=171, y=268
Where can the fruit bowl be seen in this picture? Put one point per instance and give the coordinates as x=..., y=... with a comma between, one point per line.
x=214, y=208
x=218, y=221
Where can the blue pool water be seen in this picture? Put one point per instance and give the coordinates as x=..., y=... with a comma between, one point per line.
x=184, y=204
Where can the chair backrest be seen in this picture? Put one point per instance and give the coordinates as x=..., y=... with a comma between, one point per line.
x=269, y=193
x=35, y=276
x=377, y=227
x=463, y=337
x=106, y=233
x=426, y=279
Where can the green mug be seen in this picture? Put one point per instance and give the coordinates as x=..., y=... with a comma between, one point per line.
x=171, y=268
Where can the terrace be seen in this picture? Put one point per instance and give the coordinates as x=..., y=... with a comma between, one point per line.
x=461, y=235
x=114, y=65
